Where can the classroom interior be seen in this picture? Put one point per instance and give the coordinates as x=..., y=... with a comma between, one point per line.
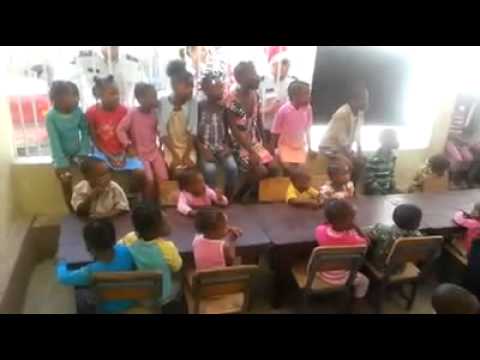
x=32, y=209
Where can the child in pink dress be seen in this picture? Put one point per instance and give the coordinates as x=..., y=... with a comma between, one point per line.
x=472, y=223
x=214, y=245
x=137, y=133
x=340, y=230
x=340, y=185
x=291, y=127
x=195, y=194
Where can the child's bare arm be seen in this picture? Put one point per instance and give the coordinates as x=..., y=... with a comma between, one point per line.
x=229, y=251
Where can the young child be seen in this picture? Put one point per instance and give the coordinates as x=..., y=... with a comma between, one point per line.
x=471, y=222
x=137, y=132
x=149, y=247
x=178, y=116
x=291, y=127
x=214, y=244
x=98, y=196
x=340, y=230
x=212, y=136
x=67, y=133
x=99, y=236
x=407, y=219
x=340, y=185
x=380, y=169
x=194, y=194
x=453, y=299
x=245, y=122
x=437, y=165
x=300, y=192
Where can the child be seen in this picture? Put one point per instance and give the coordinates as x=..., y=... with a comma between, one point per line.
x=194, y=193
x=245, y=123
x=212, y=137
x=291, y=126
x=137, y=132
x=67, y=132
x=380, y=169
x=471, y=222
x=150, y=249
x=407, y=219
x=214, y=245
x=99, y=236
x=177, y=126
x=339, y=186
x=98, y=196
x=437, y=165
x=300, y=193
x=340, y=230
x=453, y=299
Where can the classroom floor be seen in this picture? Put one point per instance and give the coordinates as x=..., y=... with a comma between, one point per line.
x=46, y=296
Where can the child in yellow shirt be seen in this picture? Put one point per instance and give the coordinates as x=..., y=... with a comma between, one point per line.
x=301, y=193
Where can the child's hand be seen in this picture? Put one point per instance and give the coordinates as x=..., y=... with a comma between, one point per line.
x=219, y=194
x=192, y=213
x=235, y=232
x=187, y=162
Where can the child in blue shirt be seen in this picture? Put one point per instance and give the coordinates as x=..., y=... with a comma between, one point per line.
x=99, y=236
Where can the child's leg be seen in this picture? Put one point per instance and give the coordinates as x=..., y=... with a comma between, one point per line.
x=66, y=181
x=231, y=175
x=360, y=285
x=150, y=191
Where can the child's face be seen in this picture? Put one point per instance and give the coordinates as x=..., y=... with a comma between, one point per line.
x=301, y=183
x=183, y=91
x=302, y=97
x=68, y=102
x=215, y=91
x=341, y=177
x=110, y=97
x=149, y=100
x=249, y=79
x=100, y=176
x=197, y=185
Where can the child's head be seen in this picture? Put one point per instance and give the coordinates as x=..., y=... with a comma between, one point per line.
x=299, y=93
x=439, y=164
x=96, y=172
x=212, y=223
x=213, y=86
x=76, y=92
x=246, y=75
x=300, y=179
x=340, y=214
x=453, y=299
x=359, y=97
x=146, y=95
x=339, y=172
x=407, y=217
x=180, y=79
x=107, y=91
x=192, y=181
x=149, y=221
x=99, y=236
x=389, y=140
x=62, y=96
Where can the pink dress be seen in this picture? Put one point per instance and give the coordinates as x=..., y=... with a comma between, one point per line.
x=140, y=130
x=187, y=202
x=472, y=226
x=292, y=125
x=208, y=253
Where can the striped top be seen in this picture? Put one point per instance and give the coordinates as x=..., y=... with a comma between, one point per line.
x=380, y=173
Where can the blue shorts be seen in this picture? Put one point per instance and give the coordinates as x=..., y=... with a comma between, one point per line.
x=131, y=163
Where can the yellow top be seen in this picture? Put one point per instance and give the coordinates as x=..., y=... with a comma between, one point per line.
x=168, y=248
x=293, y=193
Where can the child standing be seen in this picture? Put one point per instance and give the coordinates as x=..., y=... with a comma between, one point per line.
x=340, y=230
x=194, y=194
x=137, y=132
x=471, y=222
x=291, y=127
x=340, y=185
x=98, y=196
x=212, y=137
x=301, y=193
x=214, y=245
x=67, y=133
x=178, y=116
x=437, y=165
x=380, y=169
x=99, y=236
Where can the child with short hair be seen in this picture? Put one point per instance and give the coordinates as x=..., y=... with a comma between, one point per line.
x=380, y=168
x=471, y=222
x=67, y=133
x=97, y=196
x=340, y=185
x=195, y=194
x=137, y=132
x=150, y=248
x=300, y=192
x=407, y=219
x=437, y=165
x=214, y=244
x=340, y=230
x=212, y=137
x=291, y=127
x=453, y=299
x=99, y=236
